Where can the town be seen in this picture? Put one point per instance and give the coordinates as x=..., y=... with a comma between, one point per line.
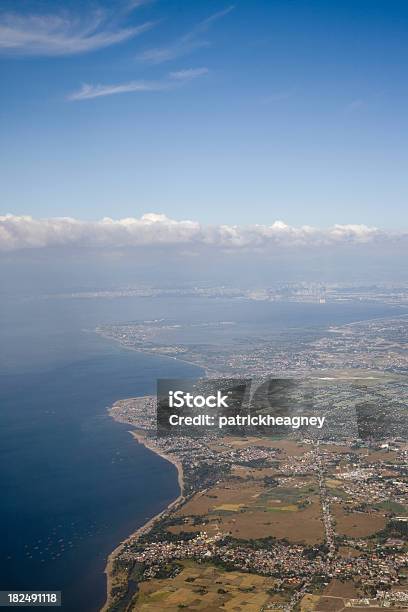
x=320, y=516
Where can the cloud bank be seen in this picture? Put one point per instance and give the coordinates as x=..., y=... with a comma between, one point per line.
x=157, y=230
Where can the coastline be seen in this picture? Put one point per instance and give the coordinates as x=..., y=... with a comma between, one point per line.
x=145, y=528
x=142, y=439
x=204, y=367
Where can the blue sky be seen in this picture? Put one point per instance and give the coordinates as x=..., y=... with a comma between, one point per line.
x=241, y=112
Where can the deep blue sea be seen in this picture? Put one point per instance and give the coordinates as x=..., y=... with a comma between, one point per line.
x=73, y=483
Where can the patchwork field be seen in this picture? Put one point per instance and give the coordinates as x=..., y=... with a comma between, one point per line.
x=287, y=447
x=337, y=596
x=254, y=473
x=248, y=509
x=205, y=587
x=256, y=490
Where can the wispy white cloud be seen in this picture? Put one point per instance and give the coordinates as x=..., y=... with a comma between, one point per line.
x=62, y=33
x=131, y=5
x=87, y=91
x=23, y=232
x=189, y=73
x=186, y=44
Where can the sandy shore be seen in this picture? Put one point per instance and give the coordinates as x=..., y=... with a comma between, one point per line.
x=142, y=439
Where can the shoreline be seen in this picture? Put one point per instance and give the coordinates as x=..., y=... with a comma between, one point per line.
x=145, y=528
x=139, y=436
x=150, y=352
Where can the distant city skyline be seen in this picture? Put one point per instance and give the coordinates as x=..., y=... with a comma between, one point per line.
x=235, y=113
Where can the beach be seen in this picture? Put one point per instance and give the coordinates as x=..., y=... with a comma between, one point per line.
x=141, y=438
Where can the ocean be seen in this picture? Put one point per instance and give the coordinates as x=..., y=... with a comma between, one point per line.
x=73, y=482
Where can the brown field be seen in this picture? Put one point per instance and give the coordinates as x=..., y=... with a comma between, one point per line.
x=308, y=603
x=316, y=603
x=357, y=524
x=205, y=587
x=228, y=492
x=380, y=455
x=295, y=525
x=337, y=588
x=332, y=604
x=287, y=446
x=332, y=483
x=249, y=510
x=255, y=473
x=334, y=448
x=229, y=507
x=333, y=599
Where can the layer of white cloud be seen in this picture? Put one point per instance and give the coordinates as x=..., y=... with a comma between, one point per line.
x=23, y=232
x=61, y=33
x=87, y=91
x=184, y=45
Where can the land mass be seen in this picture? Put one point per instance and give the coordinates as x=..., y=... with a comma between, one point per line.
x=306, y=521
